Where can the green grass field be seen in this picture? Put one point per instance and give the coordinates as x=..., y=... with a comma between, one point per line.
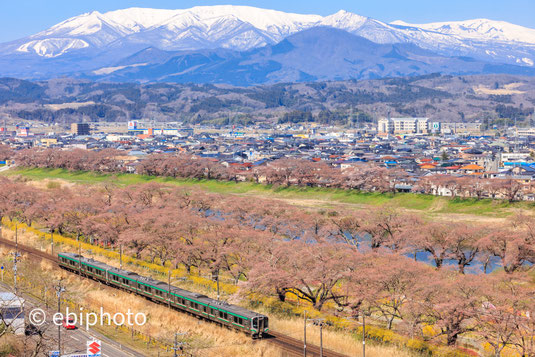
x=425, y=203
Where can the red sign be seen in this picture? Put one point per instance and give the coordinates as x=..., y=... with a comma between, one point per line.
x=93, y=348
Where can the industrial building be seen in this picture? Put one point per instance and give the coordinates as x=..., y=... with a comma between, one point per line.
x=141, y=128
x=12, y=312
x=461, y=128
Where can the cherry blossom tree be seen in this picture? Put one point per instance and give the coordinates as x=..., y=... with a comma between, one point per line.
x=451, y=303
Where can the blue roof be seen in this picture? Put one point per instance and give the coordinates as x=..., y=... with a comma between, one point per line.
x=516, y=164
x=356, y=159
x=136, y=153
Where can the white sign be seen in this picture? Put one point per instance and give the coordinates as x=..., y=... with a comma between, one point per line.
x=132, y=125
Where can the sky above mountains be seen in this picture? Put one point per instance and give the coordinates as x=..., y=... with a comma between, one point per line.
x=23, y=18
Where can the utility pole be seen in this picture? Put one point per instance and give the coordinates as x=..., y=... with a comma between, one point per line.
x=320, y=322
x=59, y=290
x=176, y=344
x=321, y=339
x=215, y=276
x=516, y=137
x=52, y=243
x=16, y=256
x=305, y=336
x=169, y=289
x=363, y=334
x=218, y=295
x=179, y=345
x=121, y=256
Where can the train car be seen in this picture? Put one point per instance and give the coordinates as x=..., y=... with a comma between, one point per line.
x=202, y=306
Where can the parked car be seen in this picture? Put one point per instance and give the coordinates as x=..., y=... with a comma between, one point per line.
x=68, y=323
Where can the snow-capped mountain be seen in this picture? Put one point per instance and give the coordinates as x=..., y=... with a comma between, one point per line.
x=495, y=40
x=244, y=27
x=479, y=29
x=88, y=30
x=234, y=27
x=100, y=40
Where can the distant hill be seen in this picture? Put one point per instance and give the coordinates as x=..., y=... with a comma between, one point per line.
x=487, y=98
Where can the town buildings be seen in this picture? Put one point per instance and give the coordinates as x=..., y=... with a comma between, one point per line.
x=414, y=145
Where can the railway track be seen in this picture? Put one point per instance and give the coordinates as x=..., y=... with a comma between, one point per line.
x=293, y=347
x=29, y=250
x=289, y=346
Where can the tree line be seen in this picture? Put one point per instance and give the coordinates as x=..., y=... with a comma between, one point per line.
x=362, y=176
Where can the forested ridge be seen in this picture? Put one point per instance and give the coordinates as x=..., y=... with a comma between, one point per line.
x=446, y=98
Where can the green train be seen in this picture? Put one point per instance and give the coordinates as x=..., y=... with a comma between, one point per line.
x=250, y=322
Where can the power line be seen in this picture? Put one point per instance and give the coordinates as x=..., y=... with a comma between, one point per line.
x=59, y=290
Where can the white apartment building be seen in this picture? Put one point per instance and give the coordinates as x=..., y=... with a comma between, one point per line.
x=525, y=132
x=514, y=156
x=459, y=128
x=403, y=126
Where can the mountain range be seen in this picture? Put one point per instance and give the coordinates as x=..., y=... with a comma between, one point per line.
x=243, y=45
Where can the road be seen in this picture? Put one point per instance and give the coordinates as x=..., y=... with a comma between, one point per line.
x=74, y=341
x=77, y=344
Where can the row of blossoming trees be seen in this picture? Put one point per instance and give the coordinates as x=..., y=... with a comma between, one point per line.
x=352, y=262
x=296, y=172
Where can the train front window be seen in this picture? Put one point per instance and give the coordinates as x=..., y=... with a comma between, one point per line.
x=265, y=322
x=255, y=322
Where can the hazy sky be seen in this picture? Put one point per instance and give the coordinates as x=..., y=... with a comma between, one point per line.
x=25, y=17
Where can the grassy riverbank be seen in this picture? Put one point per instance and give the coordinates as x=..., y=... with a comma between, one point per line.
x=326, y=196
